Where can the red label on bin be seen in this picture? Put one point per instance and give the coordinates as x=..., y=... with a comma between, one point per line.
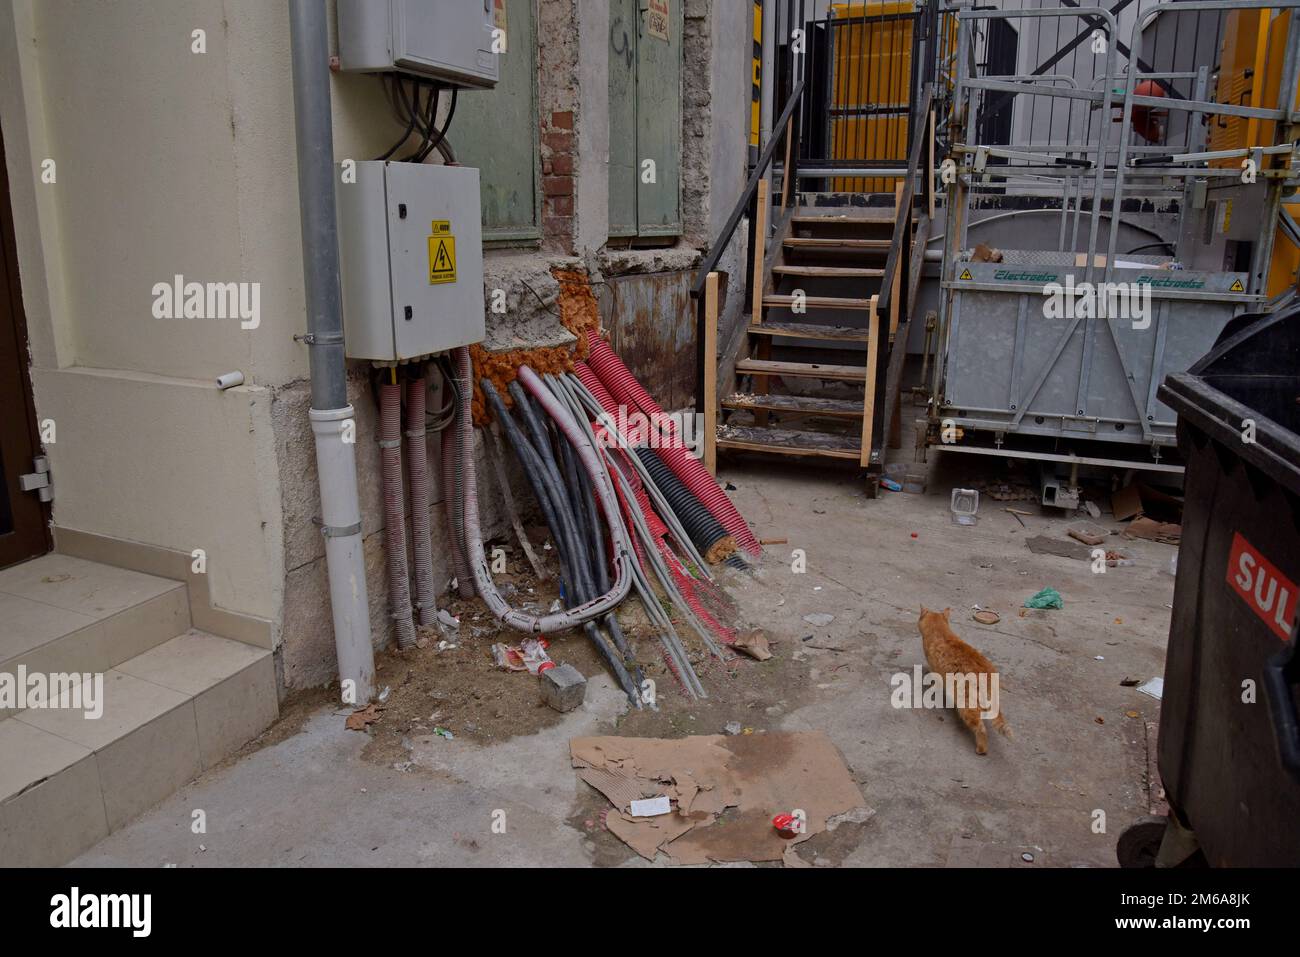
x=1269, y=593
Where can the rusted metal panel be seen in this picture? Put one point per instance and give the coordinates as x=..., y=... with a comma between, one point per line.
x=650, y=321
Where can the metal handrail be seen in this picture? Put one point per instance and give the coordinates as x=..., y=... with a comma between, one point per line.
x=746, y=196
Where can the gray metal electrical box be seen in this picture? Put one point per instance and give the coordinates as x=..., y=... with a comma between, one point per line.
x=411, y=258
x=447, y=40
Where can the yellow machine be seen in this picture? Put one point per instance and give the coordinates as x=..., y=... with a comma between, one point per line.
x=1250, y=75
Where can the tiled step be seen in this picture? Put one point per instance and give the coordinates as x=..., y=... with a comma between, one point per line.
x=808, y=330
x=789, y=442
x=815, y=302
x=795, y=404
x=812, y=370
x=68, y=780
x=59, y=613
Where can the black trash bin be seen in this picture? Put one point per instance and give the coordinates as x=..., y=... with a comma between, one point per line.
x=1229, y=749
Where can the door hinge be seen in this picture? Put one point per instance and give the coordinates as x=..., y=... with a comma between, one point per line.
x=38, y=480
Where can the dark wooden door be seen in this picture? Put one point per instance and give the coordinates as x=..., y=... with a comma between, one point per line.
x=23, y=522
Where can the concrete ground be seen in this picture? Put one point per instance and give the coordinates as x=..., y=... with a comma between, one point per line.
x=1072, y=778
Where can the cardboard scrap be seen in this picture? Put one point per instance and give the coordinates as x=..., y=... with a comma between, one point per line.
x=753, y=643
x=363, y=718
x=724, y=791
x=1126, y=503
x=1147, y=528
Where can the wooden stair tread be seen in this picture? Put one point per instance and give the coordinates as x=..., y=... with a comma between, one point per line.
x=812, y=370
x=831, y=242
x=817, y=302
x=789, y=442
x=801, y=404
x=808, y=330
x=830, y=272
x=835, y=214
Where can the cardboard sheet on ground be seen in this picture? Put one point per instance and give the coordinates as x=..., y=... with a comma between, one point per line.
x=725, y=791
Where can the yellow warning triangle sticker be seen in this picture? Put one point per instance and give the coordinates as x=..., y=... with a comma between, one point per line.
x=965, y=274
x=1236, y=286
x=442, y=261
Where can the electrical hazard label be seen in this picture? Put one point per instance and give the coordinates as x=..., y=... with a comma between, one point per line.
x=1236, y=286
x=442, y=253
x=965, y=274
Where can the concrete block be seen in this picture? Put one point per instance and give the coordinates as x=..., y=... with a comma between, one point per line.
x=563, y=687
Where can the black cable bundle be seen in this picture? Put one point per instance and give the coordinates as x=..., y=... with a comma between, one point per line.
x=705, y=531
x=571, y=524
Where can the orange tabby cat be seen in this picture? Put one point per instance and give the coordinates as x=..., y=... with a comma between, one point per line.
x=949, y=655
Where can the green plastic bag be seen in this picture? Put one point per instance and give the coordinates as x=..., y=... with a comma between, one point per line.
x=1047, y=598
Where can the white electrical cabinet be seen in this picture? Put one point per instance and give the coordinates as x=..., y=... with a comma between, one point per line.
x=410, y=258
x=447, y=40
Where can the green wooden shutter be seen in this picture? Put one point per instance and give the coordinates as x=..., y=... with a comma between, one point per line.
x=623, y=29
x=497, y=132
x=659, y=122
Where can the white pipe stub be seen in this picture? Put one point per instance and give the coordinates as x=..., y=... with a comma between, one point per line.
x=230, y=380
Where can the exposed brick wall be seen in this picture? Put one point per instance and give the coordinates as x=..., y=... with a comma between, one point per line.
x=559, y=157
x=557, y=88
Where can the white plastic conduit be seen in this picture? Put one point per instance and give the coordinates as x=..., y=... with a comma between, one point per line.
x=604, y=493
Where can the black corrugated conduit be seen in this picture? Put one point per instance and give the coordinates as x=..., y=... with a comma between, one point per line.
x=704, y=530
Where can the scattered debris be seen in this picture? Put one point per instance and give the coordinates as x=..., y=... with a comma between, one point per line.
x=724, y=792
x=1126, y=503
x=443, y=733
x=651, y=807
x=1016, y=513
x=753, y=643
x=1131, y=682
x=1047, y=598
x=732, y=728
x=1155, y=688
x=448, y=620
x=1154, y=531
x=986, y=254
x=55, y=579
x=986, y=617
x=563, y=687
x=383, y=695
x=787, y=826
x=1046, y=545
x=363, y=718
x=1087, y=533
x=964, y=504
x=819, y=619
x=774, y=541
x=1092, y=509
x=888, y=483
x=529, y=655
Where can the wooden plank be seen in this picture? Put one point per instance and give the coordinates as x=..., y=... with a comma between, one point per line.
x=898, y=276
x=830, y=272
x=760, y=242
x=818, y=302
x=795, y=404
x=711, y=372
x=846, y=214
x=810, y=241
x=787, y=442
x=869, y=392
x=812, y=370
x=807, y=330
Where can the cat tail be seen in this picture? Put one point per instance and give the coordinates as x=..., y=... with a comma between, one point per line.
x=1001, y=727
